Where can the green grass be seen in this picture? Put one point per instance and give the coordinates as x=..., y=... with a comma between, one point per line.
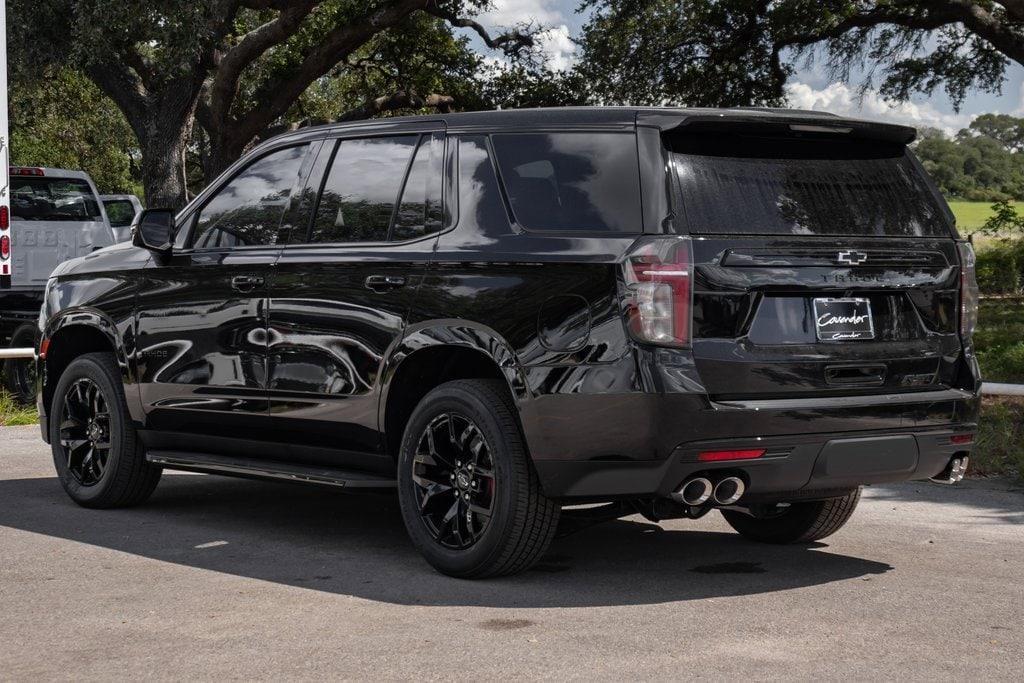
x=970, y=216
x=1000, y=446
x=999, y=340
x=13, y=413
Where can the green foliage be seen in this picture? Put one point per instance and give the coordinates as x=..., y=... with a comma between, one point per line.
x=974, y=165
x=60, y=119
x=998, y=271
x=741, y=52
x=1000, y=441
x=999, y=340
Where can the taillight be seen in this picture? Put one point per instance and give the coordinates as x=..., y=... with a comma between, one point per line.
x=659, y=277
x=5, y=247
x=968, y=291
x=5, y=218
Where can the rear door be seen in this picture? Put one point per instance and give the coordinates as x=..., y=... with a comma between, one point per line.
x=342, y=292
x=823, y=266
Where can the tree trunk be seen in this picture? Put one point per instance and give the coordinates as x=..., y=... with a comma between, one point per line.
x=225, y=149
x=168, y=130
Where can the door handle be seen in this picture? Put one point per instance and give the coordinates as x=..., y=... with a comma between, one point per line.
x=380, y=283
x=246, y=283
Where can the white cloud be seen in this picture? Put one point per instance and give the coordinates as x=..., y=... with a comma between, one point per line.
x=558, y=47
x=511, y=12
x=839, y=98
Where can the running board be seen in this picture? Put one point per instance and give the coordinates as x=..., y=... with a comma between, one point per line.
x=267, y=469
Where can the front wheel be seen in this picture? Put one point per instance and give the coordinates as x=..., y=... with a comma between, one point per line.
x=470, y=498
x=97, y=453
x=796, y=522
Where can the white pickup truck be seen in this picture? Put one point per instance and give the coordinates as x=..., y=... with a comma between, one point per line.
x=56, y=215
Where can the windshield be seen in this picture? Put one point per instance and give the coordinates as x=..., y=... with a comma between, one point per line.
x=53, y=199
x=739, y=185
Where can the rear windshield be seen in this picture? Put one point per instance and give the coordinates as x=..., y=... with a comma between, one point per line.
x=53, y=199
x=120, y=212
x=777, y=186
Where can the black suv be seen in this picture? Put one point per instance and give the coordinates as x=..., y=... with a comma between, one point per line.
x=667, y=311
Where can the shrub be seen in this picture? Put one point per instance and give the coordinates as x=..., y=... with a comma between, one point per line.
x=999, y=269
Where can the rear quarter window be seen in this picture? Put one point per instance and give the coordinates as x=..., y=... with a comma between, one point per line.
x=577, y=181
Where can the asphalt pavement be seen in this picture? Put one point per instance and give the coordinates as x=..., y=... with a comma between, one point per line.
x=219, y=578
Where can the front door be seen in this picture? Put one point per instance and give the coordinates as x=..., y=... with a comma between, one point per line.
x=341, y=296
x=202, y=317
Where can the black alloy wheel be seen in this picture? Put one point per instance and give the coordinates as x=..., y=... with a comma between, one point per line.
x=85, y=431
x=454, y=480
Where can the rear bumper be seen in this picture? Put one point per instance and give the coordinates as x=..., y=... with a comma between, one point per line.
x=812, y=446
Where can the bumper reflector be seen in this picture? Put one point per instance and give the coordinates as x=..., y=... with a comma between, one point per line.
x=750, y=454
x=961, y=438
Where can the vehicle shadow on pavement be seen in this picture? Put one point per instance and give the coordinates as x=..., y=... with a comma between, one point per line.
x=324, y=540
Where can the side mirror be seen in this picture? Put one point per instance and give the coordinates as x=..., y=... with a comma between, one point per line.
x=155, y=231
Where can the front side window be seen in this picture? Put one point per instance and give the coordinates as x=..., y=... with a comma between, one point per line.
x=53, y=199
x=248, y=210
x=361, y=189
x=571, y=181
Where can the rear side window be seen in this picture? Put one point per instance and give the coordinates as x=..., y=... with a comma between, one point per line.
x=577, y=181
x=736, y=185
x=361, y=189
x=53, y=199
x=120, y=212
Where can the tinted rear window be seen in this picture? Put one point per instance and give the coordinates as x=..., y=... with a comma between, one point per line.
x=53, y=199
x=571, y=181
x=741, y=185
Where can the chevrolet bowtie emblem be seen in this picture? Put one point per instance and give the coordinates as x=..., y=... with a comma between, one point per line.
x=852, y=258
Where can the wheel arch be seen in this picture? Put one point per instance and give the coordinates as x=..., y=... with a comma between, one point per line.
x=76, y=333
x=430, y=355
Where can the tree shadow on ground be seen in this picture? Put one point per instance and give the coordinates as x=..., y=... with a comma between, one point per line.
x=325, y=540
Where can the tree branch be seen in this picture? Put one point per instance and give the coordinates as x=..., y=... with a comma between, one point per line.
x=401, y=99
x=126, y=89
x=274, y=97
x=513, y=41
x=249, y=48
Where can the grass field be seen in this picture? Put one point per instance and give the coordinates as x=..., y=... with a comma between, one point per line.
x=970, y=215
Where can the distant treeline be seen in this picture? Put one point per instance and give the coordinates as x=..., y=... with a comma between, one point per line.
x=983, y=162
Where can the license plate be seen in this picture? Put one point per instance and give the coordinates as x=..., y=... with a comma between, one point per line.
x=843, y=319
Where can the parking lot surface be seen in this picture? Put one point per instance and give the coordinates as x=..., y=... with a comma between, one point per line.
x=220, y=578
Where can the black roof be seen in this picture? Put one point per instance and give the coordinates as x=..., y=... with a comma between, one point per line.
x=665, y=118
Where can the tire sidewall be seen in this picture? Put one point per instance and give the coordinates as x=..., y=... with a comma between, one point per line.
x=25, y=335
x=465, y=561
x=88, y=367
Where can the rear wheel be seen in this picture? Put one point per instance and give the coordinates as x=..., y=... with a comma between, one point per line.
x=99, y=459
x=470, y=498
x=796, y=522
x=20, y=373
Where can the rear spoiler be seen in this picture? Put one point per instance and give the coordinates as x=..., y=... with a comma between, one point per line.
x=774, y=123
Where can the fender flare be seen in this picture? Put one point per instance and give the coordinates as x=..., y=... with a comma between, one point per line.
x=453, y=332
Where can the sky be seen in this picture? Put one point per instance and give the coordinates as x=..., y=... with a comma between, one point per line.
x=807, y=89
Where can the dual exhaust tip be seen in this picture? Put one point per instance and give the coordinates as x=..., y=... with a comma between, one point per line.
x=954, y=472
x=700, y=490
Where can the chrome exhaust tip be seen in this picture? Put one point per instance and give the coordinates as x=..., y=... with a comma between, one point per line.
x=729, y=490
x=695, y=491
x=954, y=472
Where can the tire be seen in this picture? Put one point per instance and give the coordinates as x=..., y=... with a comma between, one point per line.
x=800, y=523
x=521, y=523
x=125, y=478
x=19, y=374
